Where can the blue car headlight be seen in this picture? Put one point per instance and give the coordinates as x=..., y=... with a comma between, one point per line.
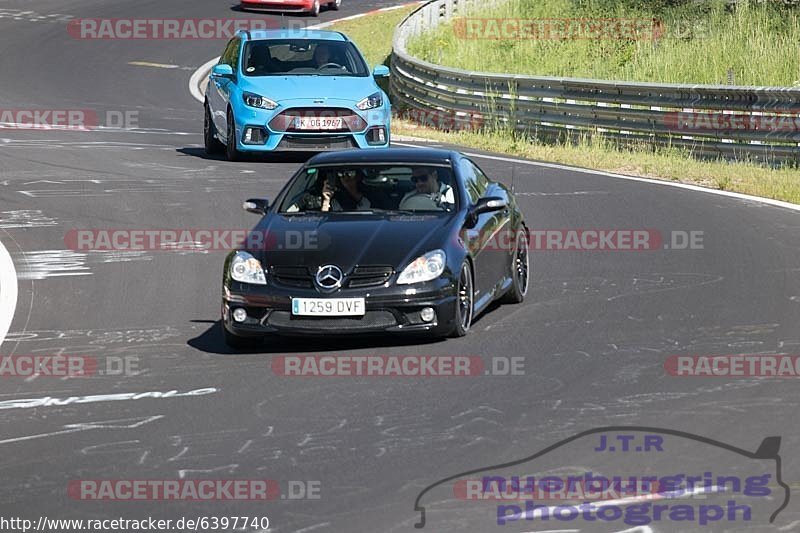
x=255, y=100
x=371, y=102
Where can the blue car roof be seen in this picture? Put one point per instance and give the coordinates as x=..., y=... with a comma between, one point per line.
x=292, y=33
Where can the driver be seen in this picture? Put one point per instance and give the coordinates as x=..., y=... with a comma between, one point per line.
x=426, y=182
x=322, y=55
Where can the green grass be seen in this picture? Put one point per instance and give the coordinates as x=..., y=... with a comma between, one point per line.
x=373, y=35
x=758, y=43
x=598, y=153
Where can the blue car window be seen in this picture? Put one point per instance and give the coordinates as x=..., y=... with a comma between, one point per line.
x=280, y=57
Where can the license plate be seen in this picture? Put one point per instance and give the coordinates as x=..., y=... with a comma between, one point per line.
x=328, y=306
x=315, y=123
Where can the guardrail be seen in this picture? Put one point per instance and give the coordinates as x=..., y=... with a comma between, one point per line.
x=759, y=123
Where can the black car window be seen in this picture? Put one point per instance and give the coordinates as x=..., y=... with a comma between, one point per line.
x=386, y=187
x=474, y=181
x=482, y=180
x=230, y=54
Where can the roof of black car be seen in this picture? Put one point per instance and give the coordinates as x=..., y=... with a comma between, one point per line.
x=384, y=155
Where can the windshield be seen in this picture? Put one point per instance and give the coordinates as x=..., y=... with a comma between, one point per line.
x=303, y=57
x=371, y=188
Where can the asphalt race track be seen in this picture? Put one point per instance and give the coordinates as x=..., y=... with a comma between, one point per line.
x=594, y=330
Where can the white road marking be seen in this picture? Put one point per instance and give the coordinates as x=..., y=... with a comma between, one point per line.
x=199, y=74
x=8, y=291
x=157, y=65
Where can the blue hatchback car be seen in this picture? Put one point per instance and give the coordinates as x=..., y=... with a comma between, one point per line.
x=289, y=89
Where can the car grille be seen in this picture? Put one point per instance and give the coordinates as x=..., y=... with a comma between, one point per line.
x=361, y=277
x=369, y=276
x=371, y=320
x=285, y=121
x=292, y=276
x=316, y=142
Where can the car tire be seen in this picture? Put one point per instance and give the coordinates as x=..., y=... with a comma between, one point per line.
x=231, y=150
x=520, y=270
x=240, y=343
x=314, y=11
x=465, y=301
x=212, y=144
x=335, y=5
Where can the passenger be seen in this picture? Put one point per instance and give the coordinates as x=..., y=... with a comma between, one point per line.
x=350, y=197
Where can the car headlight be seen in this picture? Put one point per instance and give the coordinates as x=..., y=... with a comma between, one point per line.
x=255, y=100
x=247, y=269
x=423, y=268
x=371, y=102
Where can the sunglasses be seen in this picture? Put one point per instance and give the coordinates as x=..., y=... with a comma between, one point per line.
x=417, y=179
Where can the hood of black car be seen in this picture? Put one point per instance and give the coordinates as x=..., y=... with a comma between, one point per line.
x=347, y=240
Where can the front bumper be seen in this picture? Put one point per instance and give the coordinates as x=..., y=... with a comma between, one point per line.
x=388, y=310
x=256, y=131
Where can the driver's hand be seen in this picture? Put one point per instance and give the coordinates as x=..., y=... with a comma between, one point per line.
x=327, y=196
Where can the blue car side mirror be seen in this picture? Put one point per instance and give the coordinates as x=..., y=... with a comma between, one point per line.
x=222, y=71
x=381, y=71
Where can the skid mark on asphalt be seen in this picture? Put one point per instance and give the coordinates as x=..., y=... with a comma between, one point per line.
x=125, y=423
x=44, y=264
x=555, y=290
x=136, y=336
x=81, y=193
x=20, y=15
x=80, y=188
x=84, y=145
x=25, y=218
x=49, y=401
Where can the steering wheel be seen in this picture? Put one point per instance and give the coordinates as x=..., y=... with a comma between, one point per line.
x=300, y=199
x=420, y=200
x=330, y=65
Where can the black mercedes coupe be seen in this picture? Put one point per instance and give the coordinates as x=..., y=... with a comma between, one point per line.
x=400, y=240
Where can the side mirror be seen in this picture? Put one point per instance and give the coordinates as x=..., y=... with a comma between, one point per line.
x=380, y=71
x=489, y=205
x=258, y=206
x=222, y=71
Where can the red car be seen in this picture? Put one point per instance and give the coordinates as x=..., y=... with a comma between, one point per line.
x=312, y=7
